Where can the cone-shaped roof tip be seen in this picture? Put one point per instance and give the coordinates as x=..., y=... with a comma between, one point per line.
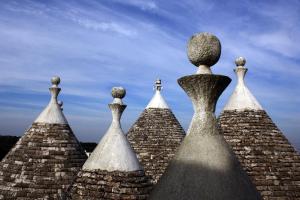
x=157, y=100
x=242, y=98
x=52, y=114
x=114, y=153
x=204, y=50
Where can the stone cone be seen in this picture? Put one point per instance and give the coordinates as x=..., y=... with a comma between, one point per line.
x=204, y=166
x=44, y=162
x=264, y=152
x=155, y=136
x=112, y=171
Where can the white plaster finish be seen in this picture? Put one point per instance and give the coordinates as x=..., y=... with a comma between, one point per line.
x=53, y=114
x=113, y=153
x=157, y=100
x=241, y=98
x=204, y=50
x=204, y=166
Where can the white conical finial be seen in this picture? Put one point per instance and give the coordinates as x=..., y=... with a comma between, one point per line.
x=52, y=114
x=114, y=153
x=157, y=100
x=242, y=98
x=204, y=50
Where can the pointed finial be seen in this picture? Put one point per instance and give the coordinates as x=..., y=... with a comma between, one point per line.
x=118, y=93
x=240, y=61
x=158, y=86
x=60, y=103
x=55, y=80
x=204, y=50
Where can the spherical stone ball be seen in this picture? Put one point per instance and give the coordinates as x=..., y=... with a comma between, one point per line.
x=204, y=49
x=118, y=92
x=55, y=80
x=240, y=61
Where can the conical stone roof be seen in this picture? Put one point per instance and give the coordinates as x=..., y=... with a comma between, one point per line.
x=156, y=135
x=45, y=160
x=113, y=170
x=264, y=152
x=204, y=166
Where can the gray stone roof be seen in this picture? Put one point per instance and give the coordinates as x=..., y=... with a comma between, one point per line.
x=264, y=152
x=101, y=184
x=155, y=136
x=42, y=164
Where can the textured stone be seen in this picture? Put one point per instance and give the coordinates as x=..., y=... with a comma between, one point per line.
x=204, y=167
x=100, y=184
x=264, y=152
x=204, y=49
x=155, y=136
x=42, y=164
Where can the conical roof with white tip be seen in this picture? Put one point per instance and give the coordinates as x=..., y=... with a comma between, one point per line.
x=262, y=149
x=156, y=135
x=242, y=98
x=114, y=153
x=113, y=170
x=44, y=161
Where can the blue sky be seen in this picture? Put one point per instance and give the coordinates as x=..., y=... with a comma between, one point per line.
x=97, y=44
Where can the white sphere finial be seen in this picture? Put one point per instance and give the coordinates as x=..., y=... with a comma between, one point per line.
x=55, y=80
x=204, y=49
x=240, y=61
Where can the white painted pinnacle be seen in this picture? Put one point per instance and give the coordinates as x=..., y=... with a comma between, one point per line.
x=52, y=114
x=114, y=153
x=157, y=100
x=242, y=99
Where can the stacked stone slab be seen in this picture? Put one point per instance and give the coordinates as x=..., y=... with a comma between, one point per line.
x=112, y=171
x=204, y=167
x=45, y=160
x=156, y=135
x=264, y=152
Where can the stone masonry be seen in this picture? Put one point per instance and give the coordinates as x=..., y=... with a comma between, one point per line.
x=42, y=164
x=155, y=136
x=264, y=152
x=116, y=185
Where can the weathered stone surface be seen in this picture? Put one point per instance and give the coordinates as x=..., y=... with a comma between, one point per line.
x=264, y=152
x=42, y=164
x=204, y=49
x=204, y=167
x=155, y=136
x=100, y=184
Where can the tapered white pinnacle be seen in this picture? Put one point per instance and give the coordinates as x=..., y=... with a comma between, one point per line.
x=157, y=100
x=114, y=153
x=242, y=99
x=52, y=114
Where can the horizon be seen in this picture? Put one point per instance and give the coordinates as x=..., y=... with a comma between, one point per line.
x=94, y=46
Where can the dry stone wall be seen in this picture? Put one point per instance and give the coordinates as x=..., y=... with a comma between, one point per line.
x=42, y=164
x=155, y=136
x=104, y=185
x=264, y=152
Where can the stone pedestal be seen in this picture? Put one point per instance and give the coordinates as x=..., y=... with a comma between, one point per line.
x=204, y=166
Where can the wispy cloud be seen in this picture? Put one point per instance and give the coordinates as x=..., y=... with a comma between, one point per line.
x=95, y=45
